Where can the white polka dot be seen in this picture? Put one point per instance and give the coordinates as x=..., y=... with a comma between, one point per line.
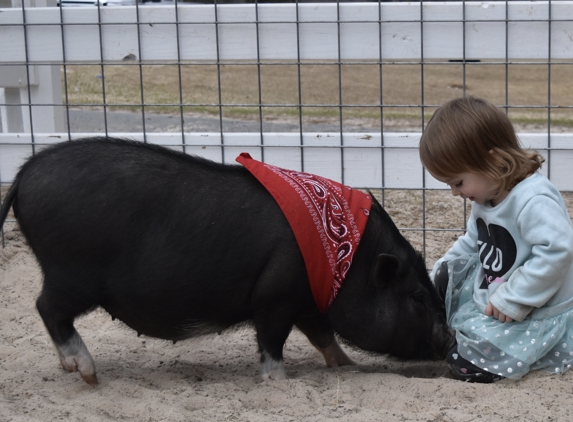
x=509, y=370
x=557, y=354
x=564, y=345
x=532, y=341
x=519, y=364
x=527, y=333
x=502, y=353
x=506, y=332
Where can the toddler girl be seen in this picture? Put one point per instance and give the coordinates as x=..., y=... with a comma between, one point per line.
x=507, y=283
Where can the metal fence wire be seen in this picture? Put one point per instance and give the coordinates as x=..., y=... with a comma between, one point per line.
x=340, y=89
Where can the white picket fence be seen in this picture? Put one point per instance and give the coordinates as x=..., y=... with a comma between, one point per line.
x=31, y=39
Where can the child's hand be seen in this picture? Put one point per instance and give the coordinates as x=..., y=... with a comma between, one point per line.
x=490, y=310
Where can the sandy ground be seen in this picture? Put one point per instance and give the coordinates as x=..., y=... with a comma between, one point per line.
x=216, y=378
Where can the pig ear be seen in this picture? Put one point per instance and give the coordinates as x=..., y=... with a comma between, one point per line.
x=386, y=268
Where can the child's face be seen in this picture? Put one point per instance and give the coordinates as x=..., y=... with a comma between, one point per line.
x=472, y=186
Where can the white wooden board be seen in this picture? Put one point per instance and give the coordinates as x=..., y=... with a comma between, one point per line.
x=364, y=29
x=361, y=160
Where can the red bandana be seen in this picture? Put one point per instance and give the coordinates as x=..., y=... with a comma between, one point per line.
x=328, y=233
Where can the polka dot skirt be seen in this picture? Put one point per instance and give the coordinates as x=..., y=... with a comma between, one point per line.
x=507, y=349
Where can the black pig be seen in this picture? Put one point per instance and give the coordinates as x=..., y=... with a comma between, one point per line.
x=177, y=246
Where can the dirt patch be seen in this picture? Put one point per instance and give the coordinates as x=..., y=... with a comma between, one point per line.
x=216, y=378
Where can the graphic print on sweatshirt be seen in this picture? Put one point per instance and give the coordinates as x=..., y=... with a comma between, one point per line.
x=497, y=251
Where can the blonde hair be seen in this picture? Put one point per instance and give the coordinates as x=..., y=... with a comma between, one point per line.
x=471, y=135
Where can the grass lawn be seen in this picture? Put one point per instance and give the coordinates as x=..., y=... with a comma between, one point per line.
x=237, y=90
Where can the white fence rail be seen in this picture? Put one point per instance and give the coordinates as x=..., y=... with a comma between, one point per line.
x=364, y=163
x=286, y=31
x=35, y=39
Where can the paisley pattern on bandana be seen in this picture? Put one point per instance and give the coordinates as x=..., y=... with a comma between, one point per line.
x=324, y=216
x=332, y=217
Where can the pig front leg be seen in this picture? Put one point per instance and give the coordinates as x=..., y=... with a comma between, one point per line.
x=320, y=334
x=271, y=336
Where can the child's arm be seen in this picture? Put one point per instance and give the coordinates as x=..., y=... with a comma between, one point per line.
x=464, y=245
x=545, y=225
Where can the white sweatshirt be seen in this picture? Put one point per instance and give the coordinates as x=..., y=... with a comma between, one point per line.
x=526, y=240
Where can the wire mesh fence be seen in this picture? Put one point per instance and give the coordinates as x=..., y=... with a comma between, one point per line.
x=339, y=89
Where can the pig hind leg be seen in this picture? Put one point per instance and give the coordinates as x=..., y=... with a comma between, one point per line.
x=58, y=313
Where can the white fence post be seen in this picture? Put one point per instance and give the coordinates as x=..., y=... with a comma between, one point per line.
x=45, y=85
x=11, y=116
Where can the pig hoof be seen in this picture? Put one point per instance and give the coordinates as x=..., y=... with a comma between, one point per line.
x=275, y=375
x=91, y=379
x=273, y=369
x=75, y=357
x=82, y=364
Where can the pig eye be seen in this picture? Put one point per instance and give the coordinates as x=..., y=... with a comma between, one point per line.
x=419, y=299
